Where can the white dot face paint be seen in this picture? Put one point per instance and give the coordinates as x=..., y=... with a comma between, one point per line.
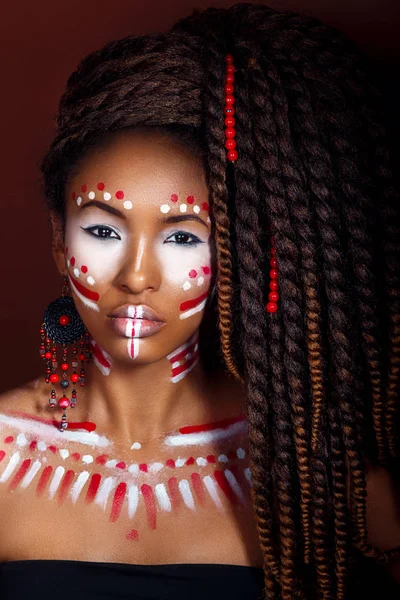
x=107, y=196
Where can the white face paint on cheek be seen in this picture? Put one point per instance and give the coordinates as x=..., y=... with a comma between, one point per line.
x=187, y=268
x=92, y=261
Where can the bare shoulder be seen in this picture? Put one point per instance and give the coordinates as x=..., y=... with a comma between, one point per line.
x=24, y=398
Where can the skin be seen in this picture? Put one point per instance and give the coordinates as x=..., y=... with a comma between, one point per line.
x=137, y=401
x=142, y=263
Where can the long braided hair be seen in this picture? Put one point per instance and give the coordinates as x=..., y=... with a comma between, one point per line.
x=321, y=374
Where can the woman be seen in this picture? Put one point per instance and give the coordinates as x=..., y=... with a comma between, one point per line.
x=231, y=346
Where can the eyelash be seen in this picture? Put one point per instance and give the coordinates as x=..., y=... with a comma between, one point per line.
x=101, y=238
x=195, y=240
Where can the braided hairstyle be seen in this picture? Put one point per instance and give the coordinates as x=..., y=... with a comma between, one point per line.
x=321, y=374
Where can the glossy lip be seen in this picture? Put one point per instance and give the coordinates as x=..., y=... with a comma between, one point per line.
x=135, y=328
x=135, y=311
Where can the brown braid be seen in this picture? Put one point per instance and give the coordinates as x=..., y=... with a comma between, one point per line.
x=321, y=376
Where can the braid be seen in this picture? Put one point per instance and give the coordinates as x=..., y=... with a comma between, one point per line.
x=251, y=268
x=321, y=376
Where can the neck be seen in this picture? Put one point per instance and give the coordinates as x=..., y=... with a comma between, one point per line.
x=142, y=403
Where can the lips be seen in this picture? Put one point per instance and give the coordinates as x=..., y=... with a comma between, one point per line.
x=135, y=311
x=135, y=321
x=135, y=328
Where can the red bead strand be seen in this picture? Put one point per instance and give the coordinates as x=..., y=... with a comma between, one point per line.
x=229, y=111
x=273, y=296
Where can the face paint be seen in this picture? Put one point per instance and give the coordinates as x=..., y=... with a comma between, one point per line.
x=48, y=432
x=185, y=205
x=101, y=359
x=119, y=491
x=184, y=359
x=100, y=193
x=208, y=433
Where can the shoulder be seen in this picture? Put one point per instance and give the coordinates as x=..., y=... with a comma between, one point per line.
x=23, y=397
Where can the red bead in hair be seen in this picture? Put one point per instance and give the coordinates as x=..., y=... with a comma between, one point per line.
x=229, y=111
x=273, y=295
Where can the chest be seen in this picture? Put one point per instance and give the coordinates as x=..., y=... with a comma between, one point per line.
x=78, y=504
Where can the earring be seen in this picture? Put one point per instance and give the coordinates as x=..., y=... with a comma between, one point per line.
x=63, y=325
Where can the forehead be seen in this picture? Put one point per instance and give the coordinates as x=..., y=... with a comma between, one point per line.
x=147, y=167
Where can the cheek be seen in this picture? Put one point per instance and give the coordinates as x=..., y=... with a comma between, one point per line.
x=90, y=260
x=186, y=269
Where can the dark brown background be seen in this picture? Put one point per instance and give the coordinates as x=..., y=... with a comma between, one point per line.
x=40, y=45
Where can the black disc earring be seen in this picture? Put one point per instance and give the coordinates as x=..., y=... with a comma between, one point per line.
x=62, y=325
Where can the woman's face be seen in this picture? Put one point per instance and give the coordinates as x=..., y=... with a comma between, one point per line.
x=138, y=236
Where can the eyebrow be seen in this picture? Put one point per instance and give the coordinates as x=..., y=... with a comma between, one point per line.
x=114, y=211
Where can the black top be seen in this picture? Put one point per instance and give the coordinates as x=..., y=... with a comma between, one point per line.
x=83, y=580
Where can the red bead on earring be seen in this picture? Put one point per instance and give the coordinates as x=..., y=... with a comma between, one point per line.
x=273, y=295
x=230, y=131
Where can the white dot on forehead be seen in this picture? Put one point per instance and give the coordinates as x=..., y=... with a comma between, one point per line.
x=76, y=272
x=79, y=200
x=165, y=208
x=183, y=207
x=90, y=280
x=128, y=204
x=106, y=195
x=200, y=281
x=91, y=195
x=196, y=209
x=186, y=285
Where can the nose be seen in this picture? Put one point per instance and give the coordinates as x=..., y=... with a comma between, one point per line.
x=140, y=270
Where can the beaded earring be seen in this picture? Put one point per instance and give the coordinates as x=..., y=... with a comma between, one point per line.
x=232, y=155
x=63, y=325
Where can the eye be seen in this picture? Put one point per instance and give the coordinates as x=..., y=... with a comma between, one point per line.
x=103, y=232
x=182, y=238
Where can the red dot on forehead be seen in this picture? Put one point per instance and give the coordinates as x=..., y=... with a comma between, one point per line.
x=100, y=186
x=119, y=195
x=205, y=206
x=73, y=195
x=206, y=270
x=192, y=274
x=84, y=269
x=174, y=198
x=72, y=260
x=84, y=187
x=190, y=199
x=66, y=249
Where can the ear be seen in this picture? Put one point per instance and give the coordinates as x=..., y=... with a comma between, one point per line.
x=58, y=241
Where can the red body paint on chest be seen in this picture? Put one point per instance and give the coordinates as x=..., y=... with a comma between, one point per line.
x=214, y=425
x=118, y=500
x=174, y=492
x=19, y=474
x=198, y=487
x=65, y=485
x=150, y=505
x=93, y=487
x=44, y=478
x=87, y=425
